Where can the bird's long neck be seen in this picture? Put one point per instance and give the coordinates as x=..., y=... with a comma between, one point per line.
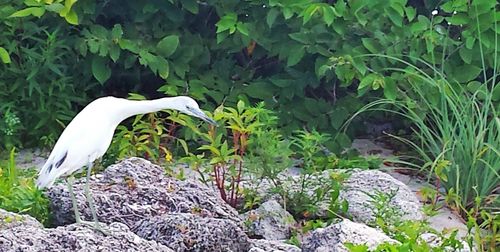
x=131, y=108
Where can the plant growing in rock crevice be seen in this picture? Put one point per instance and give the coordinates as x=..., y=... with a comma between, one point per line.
x=411, y=234
x=227, y=145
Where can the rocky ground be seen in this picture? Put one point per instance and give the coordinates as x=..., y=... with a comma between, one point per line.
x=144, y=210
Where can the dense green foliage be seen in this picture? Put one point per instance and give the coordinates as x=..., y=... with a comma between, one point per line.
x=300, y=57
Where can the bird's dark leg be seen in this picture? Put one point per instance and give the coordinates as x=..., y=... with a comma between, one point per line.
x=73, y=199
x=89, y=198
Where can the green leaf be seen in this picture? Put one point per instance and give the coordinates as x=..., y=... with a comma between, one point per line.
x=394, y=16
x=469, y=42
x=422, y=25
x=163, y=67
x=168, y=45
x=340, y=8
x=367, y=81
x=242, y=28
x=54, y=7
x=411, y=13
x=328, y=14
x=100, y=69
x=465, y=54
x=68, y=13
x=99, y=31
x=301, y=37
x=117, y=32
x=190, y=5
x=340, y=114
x=114, y=52
x=71, y=17
x=390, y=89
x=458, y=19
x=359, y=64
x=466, y=73
x=295, y=56
x=281, y=82
x=226, y=22
x=260, y=90
x=31, y=11
x=371, y=45
x=495, y=94
x=129, y=45
x=271, y=17
x=4, y=55
x=309, y=12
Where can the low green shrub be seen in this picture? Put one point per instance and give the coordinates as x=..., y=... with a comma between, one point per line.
x=18, y=192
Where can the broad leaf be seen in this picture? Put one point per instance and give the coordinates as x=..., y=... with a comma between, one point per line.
x=34, y=11
x=4, y=55
x=168, y=45
x=100, y=69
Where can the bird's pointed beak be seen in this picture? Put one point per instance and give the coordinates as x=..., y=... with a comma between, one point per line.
x=204, y=117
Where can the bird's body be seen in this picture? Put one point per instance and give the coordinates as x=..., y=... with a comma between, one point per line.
x=85, y=139
x=88, y=136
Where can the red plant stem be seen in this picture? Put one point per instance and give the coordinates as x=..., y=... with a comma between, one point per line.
x=236, y=146
x=223, y=168
x=240, y=167
x=218, y=182
x=171, y=131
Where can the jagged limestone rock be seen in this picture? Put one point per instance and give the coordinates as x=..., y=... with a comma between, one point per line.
x=184, y=215
x=191, y=232
x=135, y=189
x=28, y=235
x=259, y=245
x=334, y=237
x=11, y=220
x=357, y=188
x=269, y=221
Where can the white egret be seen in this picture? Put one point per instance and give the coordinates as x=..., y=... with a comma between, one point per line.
x=89, y=134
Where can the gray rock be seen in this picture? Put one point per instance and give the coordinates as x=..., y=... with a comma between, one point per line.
x=274, y=246
x=361, y=183
x=135, y=189
x=291, y=181
x=184, y=215
x=29, y=236
x=269, y=221
x=10, y=220
x=333, y=237
x=190, y=232
x=435, y=241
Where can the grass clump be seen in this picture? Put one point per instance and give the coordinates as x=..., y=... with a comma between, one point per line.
x=457, y=132
x=18, y=192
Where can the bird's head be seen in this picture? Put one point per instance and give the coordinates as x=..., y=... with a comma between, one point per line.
x=189, y=106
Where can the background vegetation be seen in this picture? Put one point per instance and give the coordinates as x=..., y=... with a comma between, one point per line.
x=300, y=57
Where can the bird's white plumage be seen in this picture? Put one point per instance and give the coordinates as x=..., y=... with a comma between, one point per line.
x=89, y=134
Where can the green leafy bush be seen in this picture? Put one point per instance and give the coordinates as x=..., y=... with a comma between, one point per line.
x=38, y=81
x=18, y=192
x=226, y=146
x=300, y=57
